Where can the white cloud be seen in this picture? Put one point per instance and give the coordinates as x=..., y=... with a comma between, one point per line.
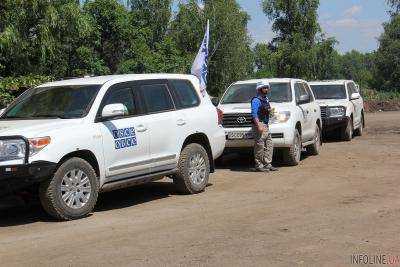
x=350, y=12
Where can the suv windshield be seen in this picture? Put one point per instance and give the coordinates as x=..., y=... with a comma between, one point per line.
x=329, y=91
x=64, y=102
x=243, y=93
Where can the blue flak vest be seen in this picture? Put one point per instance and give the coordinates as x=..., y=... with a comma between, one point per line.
x=263, y=111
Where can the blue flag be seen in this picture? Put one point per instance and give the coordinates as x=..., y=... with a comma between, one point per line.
x=200, y=67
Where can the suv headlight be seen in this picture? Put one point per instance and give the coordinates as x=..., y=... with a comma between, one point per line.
x=37, y=144
x=12, y=149
x=280, y=117
x=15, y=149
x=337, y=111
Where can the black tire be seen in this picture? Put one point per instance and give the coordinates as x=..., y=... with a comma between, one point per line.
x=348, y=131
x=293, y=154
x=51, y=194
x=315, y=148
x=360, y=130
x=182, y=179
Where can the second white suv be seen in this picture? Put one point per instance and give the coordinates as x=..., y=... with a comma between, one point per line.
x=342, y=107
x=296, y=125
x=76, y=138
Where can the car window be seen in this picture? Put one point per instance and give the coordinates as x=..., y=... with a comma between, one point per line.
x=309, y=92
x=157, y=98
x=184, y=94
x=300, y=90
x=329, y=91
x=65, y=102
x=243, y=93
x=123, y=96
x=353, y=88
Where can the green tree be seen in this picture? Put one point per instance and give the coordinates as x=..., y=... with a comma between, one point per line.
x=292, y=19
x=265, y=61
x=230, y=52
x=152, y=14
x=116, y=32
x=44, y=37
x=358, y=67
x=387, y=59
x=395, y=5
x=296, y=47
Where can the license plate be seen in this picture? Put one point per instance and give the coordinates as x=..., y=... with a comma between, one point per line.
x=238, y=135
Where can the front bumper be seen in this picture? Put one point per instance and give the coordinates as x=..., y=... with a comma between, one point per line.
x=330, y=124
x=16, y=177
x=282, y=136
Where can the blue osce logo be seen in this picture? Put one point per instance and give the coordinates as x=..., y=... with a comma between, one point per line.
x=124, y=138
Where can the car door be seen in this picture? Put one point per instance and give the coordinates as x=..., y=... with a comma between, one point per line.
x=186, y=102
x=314, y=107
x=126, y=140
x=162, y=121
x=357, y=104
x=306, y=109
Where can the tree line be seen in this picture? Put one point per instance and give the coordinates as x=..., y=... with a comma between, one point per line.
x=42, y=40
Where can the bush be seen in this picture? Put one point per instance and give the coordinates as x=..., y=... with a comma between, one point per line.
x=370, y=94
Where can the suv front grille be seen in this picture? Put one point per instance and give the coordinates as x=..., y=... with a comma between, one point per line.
x=237, y=120
x=324, y=111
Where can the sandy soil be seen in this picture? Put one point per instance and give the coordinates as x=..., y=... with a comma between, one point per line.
x=345, y=201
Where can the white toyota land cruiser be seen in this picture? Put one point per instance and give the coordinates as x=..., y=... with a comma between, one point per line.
x=297, y=123
x=342, y=107
x=79, y=137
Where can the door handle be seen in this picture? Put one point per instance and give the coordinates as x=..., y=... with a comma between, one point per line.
x=181, y=122
x=141, y=128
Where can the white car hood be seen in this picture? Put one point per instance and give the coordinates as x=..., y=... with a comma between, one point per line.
x=33, y=128
x=246, y=107
x=332, y=102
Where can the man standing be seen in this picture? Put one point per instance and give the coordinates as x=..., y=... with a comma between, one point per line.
x=263, y=147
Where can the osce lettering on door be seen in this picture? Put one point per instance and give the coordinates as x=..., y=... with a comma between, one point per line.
x=124, y=138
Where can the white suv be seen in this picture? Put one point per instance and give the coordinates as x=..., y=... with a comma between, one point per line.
x=342, y=107
x=297, y=123
x=79, y=137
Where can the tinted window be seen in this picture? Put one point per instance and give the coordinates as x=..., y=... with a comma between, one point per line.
x=157, y=98
x=185, y=94
x=122, y=96
x=309, y=92
x=300, y=90
x=58, y=102
x=352, y=89
x=243, y=93
x=329, y=91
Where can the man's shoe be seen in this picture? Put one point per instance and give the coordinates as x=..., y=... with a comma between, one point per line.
x=262, y=169
x=272, y=168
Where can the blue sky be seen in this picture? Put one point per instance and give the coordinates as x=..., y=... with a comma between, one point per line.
x=356, y=24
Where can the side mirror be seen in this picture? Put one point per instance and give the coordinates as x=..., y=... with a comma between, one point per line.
x=114, y=110
x=355, y=96
x=304, y=99
x=215, y=101
x=2, y=110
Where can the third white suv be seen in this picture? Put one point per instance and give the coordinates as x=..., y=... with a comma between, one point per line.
x=342, y=107
x=297, y=124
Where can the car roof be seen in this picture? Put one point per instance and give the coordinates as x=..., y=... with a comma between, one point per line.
x=100, y=80
x=269, y=80
x=330, y=82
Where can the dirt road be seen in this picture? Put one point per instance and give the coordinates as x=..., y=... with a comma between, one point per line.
x=345, y=201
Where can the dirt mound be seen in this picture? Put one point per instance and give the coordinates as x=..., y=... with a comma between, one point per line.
x=375, y=105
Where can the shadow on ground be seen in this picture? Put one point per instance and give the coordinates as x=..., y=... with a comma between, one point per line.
x=15, y=211
x=244, y=161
